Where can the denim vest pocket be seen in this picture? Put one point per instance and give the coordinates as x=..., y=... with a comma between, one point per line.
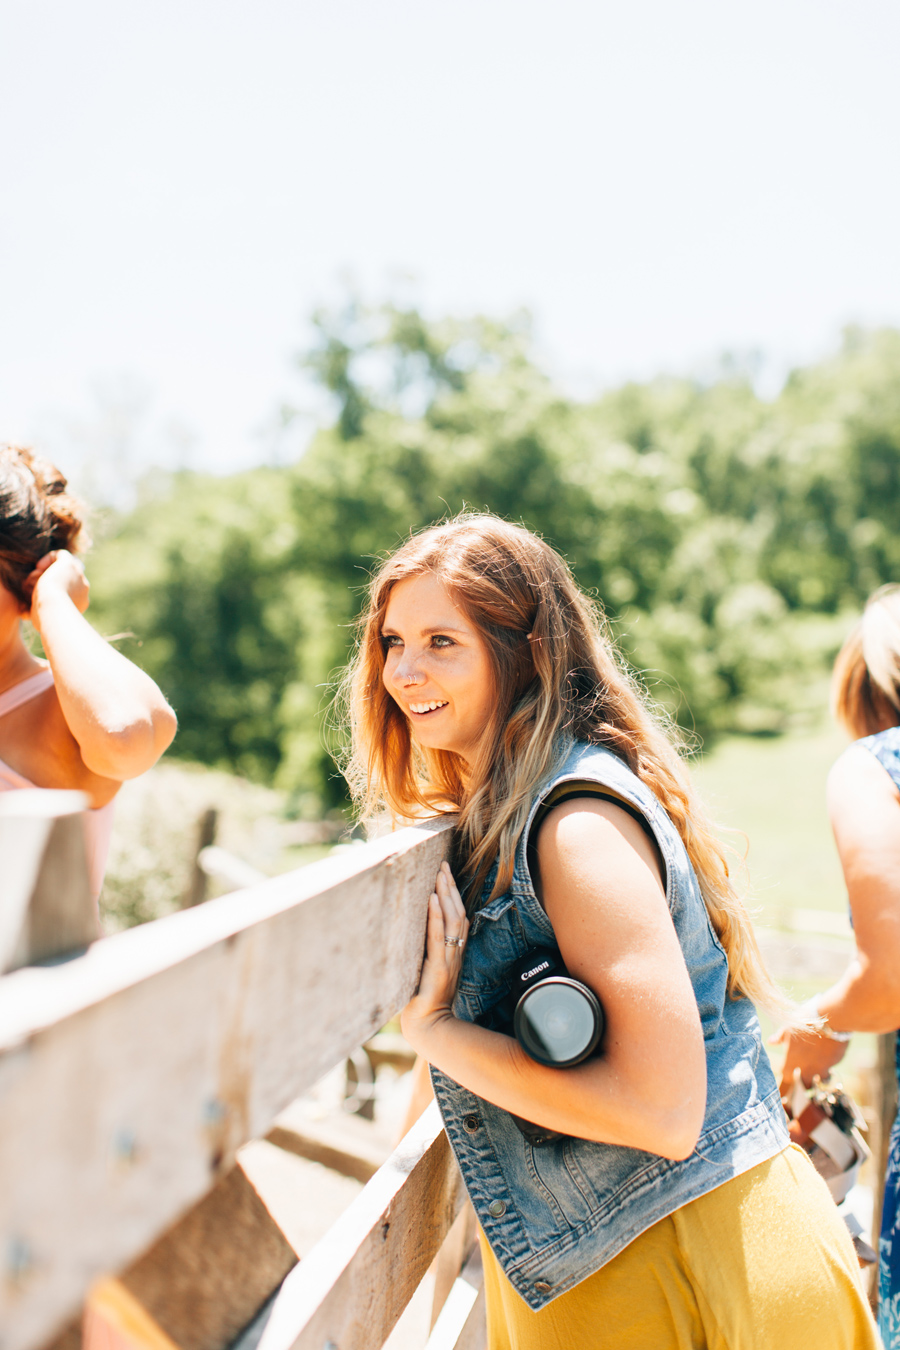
x=497, y=940
x=556, y=1172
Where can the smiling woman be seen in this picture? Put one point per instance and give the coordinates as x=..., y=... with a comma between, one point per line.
x=647, y=1195
x=436, y=666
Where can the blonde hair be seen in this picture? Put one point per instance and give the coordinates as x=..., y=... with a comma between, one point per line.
x=865, y=686
x=558, y=679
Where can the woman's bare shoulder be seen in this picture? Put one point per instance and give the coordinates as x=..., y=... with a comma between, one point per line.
x=857, y=778
x=36, y=742
x=580, y=831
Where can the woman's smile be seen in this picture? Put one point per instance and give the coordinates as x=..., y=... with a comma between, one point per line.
x=436, y=666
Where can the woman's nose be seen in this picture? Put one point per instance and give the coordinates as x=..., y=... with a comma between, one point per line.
x=406, y=671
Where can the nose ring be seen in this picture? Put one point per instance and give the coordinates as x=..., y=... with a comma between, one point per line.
x=412, y=679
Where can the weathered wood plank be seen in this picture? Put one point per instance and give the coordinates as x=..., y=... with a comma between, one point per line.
x=204, y=1279
x=454, y=1254
x=200, y=1285
x=46, y=907
x=115, y=1320
x=390, y=1048
x=207, y=825
x=462, y=1324
x=351, y=1288
x=473, y=1332
x=130, y=1075
x=344, y=1145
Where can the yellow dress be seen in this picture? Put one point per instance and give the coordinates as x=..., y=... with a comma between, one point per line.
x=764, y=1262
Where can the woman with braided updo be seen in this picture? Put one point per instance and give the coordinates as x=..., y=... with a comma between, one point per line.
x=85, y=717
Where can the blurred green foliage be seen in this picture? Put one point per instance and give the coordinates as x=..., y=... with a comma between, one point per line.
x=728, y=537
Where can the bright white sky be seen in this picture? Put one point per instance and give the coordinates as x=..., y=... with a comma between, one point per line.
x=183, y=180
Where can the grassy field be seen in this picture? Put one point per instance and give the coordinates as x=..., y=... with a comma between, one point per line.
x=769, y=794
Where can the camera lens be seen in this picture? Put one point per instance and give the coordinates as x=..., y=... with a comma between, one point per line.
x=558, y=1021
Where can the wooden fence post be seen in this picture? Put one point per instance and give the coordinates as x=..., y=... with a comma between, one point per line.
x=206, y=834
x=46, y=906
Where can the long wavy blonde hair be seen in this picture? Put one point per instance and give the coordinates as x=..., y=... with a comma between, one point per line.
x=558, y=679
x=865, y=686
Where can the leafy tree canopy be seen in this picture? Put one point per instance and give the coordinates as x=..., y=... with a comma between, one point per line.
x=727, y=537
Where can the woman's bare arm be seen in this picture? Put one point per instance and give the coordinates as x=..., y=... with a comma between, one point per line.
x=602, y=891
x=864, y=806
x=115, y=712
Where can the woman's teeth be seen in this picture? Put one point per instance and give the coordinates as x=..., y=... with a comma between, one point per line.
x=427, y=707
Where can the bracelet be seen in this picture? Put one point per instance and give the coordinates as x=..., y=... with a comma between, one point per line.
x=811, y=1007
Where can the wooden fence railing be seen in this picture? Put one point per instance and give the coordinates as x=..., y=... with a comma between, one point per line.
x=133, y=1069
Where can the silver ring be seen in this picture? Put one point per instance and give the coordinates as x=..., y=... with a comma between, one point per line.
x=454, y=942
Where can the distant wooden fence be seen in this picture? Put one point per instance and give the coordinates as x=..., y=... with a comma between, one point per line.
x=133, y=1070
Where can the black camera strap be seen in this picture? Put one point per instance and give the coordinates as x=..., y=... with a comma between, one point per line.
x=583, y=788
x=564, y=792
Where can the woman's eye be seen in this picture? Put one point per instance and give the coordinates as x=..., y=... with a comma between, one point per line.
x=439, y=640
x=390, y=640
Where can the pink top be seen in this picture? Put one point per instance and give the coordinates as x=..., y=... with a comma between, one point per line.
x=97, y=823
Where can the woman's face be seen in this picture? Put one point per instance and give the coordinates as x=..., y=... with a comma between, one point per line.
x=436, y=667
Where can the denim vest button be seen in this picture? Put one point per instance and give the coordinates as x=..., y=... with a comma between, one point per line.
x=542, y=1286
x=471, y=1124
x=498, y=1208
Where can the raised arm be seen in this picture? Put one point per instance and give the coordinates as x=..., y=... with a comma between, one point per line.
x=864, y=806
x=601, y=888
x=115, y=712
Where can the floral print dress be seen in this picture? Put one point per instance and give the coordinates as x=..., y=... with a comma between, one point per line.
x=885, y=746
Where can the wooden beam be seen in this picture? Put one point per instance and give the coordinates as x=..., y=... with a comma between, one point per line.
x=352, y=1288
x=343, y=1144
x=195, y=893
x=462, y=1324
x=389, y=1047
x=115, y=1320
x=130, y=1075
x=453, y=1256
x=204, y=1279
x=46, y=907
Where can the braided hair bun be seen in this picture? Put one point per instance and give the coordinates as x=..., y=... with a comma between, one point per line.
x=37, y=515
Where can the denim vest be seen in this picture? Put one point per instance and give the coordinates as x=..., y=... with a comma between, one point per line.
x=555, y=1212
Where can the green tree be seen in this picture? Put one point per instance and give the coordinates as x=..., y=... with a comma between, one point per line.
x=726, y=536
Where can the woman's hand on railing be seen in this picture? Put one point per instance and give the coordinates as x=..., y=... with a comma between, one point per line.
x=446, y=936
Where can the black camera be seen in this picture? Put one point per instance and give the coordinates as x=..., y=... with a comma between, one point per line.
x=558, y=1021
